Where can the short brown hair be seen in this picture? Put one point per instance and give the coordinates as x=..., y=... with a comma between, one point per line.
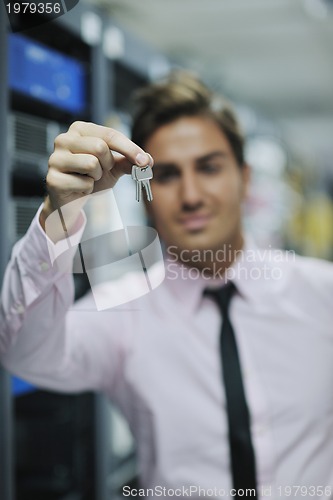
x=181, y=94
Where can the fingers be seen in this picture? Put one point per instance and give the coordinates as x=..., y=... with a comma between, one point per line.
x=87, y=164
x=86, y=145
x=90, y=157
x=84, y=164
x=66, y=184
x=115, y=140
x=151, y=161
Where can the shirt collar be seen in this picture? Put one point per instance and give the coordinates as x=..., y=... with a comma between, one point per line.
x=250, y=273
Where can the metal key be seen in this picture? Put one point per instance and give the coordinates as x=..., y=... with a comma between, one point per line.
x=137, y=183
x=142, y=176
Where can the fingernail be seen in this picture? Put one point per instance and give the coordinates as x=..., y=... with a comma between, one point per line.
x=141, y=159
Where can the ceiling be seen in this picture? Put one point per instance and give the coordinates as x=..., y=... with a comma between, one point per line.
x=274, y=56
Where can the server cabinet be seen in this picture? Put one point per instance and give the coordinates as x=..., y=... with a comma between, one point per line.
x=49, y=77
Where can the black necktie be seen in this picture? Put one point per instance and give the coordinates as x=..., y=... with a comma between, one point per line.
x=241, y=448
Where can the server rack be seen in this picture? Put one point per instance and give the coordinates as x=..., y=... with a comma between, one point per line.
x=54, y=435
x=109, y=82
x=6, y=435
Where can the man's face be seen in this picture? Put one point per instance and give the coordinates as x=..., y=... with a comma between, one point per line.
x=198, y=187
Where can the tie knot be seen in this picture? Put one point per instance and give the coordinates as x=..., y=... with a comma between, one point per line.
x=222, y=295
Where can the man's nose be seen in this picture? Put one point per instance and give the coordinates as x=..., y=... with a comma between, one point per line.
x=191, y=190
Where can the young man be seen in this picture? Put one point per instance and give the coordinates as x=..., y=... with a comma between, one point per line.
x=216, y=409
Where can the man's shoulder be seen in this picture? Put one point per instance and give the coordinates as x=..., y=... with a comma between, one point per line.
x=295, y=263
x=309, y=275
x=311, y=268
x=297, y=271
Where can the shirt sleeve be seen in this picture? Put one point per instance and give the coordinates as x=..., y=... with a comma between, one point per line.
x=44, y=337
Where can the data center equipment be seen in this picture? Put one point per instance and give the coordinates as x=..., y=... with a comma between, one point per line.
x=50, y=87
x=67, y=447
x=49, y=82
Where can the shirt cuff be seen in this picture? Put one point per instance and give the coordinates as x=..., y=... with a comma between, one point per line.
x=68, y=244
x=53, y=258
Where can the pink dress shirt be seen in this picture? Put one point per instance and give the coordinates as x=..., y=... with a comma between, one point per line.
x=157, y=358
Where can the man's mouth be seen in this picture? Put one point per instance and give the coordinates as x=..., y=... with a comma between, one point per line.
x=194, y=222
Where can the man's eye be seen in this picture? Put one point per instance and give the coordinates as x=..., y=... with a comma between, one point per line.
x=210, y=168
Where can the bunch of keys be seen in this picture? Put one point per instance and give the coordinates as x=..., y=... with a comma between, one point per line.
x=142, y=176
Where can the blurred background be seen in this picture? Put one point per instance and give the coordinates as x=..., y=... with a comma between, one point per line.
x=271, y=58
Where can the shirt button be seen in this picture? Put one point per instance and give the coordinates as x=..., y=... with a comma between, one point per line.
x=44, y=266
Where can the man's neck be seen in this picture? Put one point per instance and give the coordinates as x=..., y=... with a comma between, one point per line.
x=214, y=262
